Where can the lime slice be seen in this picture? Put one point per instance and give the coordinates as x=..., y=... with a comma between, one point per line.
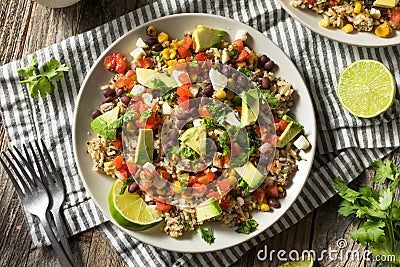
x=303, y=262
x=366, y=88
x=130, y=211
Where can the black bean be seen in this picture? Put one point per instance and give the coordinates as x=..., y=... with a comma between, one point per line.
x=133, y=187
x=152, y=41
x=137, y=173
x=262, y=60
x=120, y=92
x=193, y=112
x=157, y=47
x=203, y=101
x=108, y=99
x=265, y=83
x=208, y=90
x=96, y=113
x=226, y=70
x=273, y=202
x=269, y=65
x=109, y=92
x=242, y=81
x=174, y=135
x=180, y=124
x=125, y=99
x=181, y=116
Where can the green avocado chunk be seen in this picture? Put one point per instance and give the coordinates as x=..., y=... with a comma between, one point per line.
x=145, y=147
x=195, y=138
x=107, y=124
x=205, y=37
x=250, y=174
x=385, y=3
x=250, y=107
x=290, y=132
x=207, y=210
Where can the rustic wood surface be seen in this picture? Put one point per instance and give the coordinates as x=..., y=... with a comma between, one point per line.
x=26, y=27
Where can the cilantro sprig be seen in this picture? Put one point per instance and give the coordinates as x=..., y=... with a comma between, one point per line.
x=248, y=227
x=41, y=83
x=207, y=235
x=379, y=210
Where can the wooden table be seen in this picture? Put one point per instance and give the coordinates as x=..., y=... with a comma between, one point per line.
x=27, y=27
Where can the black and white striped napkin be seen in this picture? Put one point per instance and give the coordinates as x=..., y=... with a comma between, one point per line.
x=346, y=145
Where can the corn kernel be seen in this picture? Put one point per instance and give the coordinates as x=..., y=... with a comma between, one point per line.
x=348, y=28
x=264, y=207
x=241, y=64
x=280, y=189
x=165, y=53
x=160, y=191
x=193, y=77
x=232, y=178
x=357, y=8
x=108, y=164
x=176, y=187
x=180, y=42
x=187, y=196
x=230, y=95
x=220, y=94
x=172, y=54
x=232, y=172
x=246, y=214
x=151, y=31
x=165, y=44
x=383, y=30
x=231, y=83
x=324, y=22
x=172, y=62
x=170, y=70
x=174, y=45
x=162, y=37
x=181, y=60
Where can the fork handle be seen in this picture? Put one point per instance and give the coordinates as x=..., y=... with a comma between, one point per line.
x=62, y=235
x=62, y=257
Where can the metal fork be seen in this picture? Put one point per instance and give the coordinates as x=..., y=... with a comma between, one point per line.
x=33, y=195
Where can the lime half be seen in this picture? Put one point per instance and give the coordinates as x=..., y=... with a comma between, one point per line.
x=130, y=211
x=366, y=88
x=304, y=262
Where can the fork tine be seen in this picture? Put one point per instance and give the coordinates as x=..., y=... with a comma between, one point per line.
x=16, y=172
x=30, y=168
x=45, y=167
x=36, y=162
x=14, y=182
x=27, y=156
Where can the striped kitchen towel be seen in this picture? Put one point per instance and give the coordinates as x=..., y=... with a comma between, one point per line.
x=346, y=145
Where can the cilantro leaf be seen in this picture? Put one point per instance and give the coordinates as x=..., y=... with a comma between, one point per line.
x=168, y=96
x=370, y=231
x=387, y=170
x=210, y=123
x=207, y=235
x=189, y=153
x=249, y=226
x=244, y=71
x=223, y=142
x=245, y=187
x=217, y=112
x=146, y=114
x=41, y=83
x=125, y=185
x=272, y=101
x=346, y=208
x=385, y=199
x=344, y=191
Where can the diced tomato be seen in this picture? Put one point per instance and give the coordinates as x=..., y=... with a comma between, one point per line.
x=242, y=55
x=183, y=90
x=140, y=124
x=203, y=112
x=117, y=142
x=213, y=194
x=225, y=204
x=272, y=166
x=226, y=160
x=272, y=139
x=164, y=173
x=395, y=16
x=224, y=184
x=161, y=206
x=132, y=167
x=130, y=75
x=260, y=195
x=187, y=42
x=148, y=173
x=115, y=62
x=109, y=62
x=118, y=162
x=183, y=52
x=238, y=44
x=239, y=109
x=199, y=189
x=183, y=101
x=121, y=83
x=310, y=1
x=334, y=2
x=280, y=125
x=143, y=107
x=153, y=121
x=145, y=184
x=184, y=79
x=206, y=178
x=144, y=63
x=122, y=174
x=202, y=56
x=217, y=162
x=272, y=191
x=130, y=84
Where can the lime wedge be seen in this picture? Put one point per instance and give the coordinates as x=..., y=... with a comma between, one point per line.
x=304, y=262
x=130, y=211
x=366, y=88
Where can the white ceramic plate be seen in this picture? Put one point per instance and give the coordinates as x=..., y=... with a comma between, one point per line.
x=98, y=185
x=310, y=19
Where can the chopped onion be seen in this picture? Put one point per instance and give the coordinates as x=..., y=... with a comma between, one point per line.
x=166, y=109
x=265, y=147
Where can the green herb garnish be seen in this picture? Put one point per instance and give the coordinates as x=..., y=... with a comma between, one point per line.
x=244, y=71
x=270, y=99
x=159, y=84
x=168, y=96
x=147, y=114
x=223, y=142
x=249, y=226
x=42, y=82
x=207, y=235
x=217, y=112
x=125, y=184
x=244, y=186
x=189, y=153
x=234, y=53
x=379, y=210
x=210, y=123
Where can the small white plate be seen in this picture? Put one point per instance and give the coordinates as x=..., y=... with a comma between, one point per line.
x=98, y=185
x=310, y=19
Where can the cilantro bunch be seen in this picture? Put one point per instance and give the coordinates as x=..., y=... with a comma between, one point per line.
x=379, y=209
x=42, y=82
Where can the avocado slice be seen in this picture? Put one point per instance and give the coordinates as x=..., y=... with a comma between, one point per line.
x=207, y=210
x=195, y=138
x=290, y=132
x=145, y=147
x=143, y=75
x=155, y=80
x=250, y=174
x=106, y=124
x=385, y=3
x=250, y=107
x=205, y=37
